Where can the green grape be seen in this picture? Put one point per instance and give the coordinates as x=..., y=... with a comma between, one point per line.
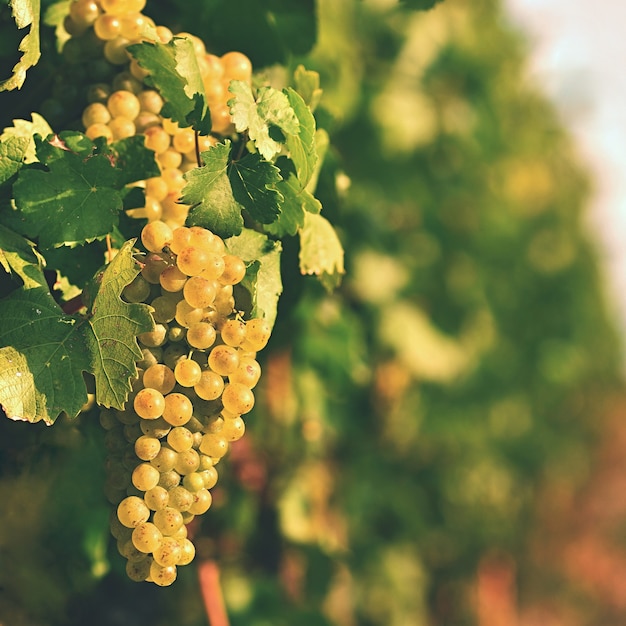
x=214, y=267
x=156, y=498
x=160, y=377
x=168, y=553
x=192, y=260
x=125, y=81
x=145, y=476
x=115, y=51
x=155, y=236
x=154, y=338
x=139, y=571
x=173, y=177
x=172, y=279
x=157, y=428
x=234, y=270
x=156, y=188
x=132, y=511
x=122, y=7
x=178, y=409
x=214, y=445
x=187, y=551
x=184, y=140
x=237, y=66
x=168, y=520
x=233, y=332
x=146, y=448
x=187, y=372
x=233, y=429
x=149, y=403
x=201, y=335
x=149, y=356
x=128, y=550
x=158, y=140
x=164, y=308
x=187, y=462
x=194, y=481
x=181, y=238
x=162, y=576
x=154, y=264
x=107, y=27
x=95, y=113
x=199, y=292
x=169, y=160
x=247, y=373
x=209, y=476
x=169, y=479
x=136, y=291
x=107, y=419
x=223, y=360
x=202, y=501
x=165, y=459
x=147, y=537
x=121, y=128
x=258, y=332
x=131, y=432
x=210, y=385
x=186, y=315
x=84, y=12
x=133, y=24
x=150, y=101
x=180, y=438
x=180, y=498
x=174, y=353
x=237, y=398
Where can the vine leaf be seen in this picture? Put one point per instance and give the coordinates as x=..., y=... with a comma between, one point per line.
x=112, y=328
x=174, y=72
x=12, y=151
x=134, y=161
x=307, y=84
x=321, y=252
x=263, y=279
x=302, y=145
x=271, y=108
x=19, y=256
x=210, y=194
x=41, y=359
x=28, y=130
x=297, y=202
x=253, y=183
x=25, y=13
x=43, y=352
x=72, y=200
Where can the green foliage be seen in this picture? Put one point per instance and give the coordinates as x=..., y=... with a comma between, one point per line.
x=26, y=14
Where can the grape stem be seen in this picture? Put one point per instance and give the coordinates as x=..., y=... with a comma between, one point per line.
x=73, y=305
x=198, y=159
x=209, y=579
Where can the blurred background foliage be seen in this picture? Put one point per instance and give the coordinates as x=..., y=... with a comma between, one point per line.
x=416, y=431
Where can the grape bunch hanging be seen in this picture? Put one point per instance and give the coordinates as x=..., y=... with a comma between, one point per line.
x=198, y=364
x=126, y=106
x=195, y=383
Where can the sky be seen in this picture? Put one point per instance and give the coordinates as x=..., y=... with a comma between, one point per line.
x=576, y=54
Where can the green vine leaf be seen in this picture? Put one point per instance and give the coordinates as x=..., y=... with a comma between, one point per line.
x=301, y=145
x=174, y=72
x=12, y=151
x=74, y=199
x=270, y=108
x=27, y=130
x=307, y=84
x=297, y=202
x=263, y=280
x=43, y=352
x=26, y=13
x=253, y=182
x=42, y=358
x=19, y=256
x=321, y=252
x=112, y=328
x=210, y=194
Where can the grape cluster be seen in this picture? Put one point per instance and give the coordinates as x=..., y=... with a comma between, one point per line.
x=125, y=106
x=195, y=382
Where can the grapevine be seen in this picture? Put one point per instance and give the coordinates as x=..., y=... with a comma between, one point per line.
x=170, y=173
